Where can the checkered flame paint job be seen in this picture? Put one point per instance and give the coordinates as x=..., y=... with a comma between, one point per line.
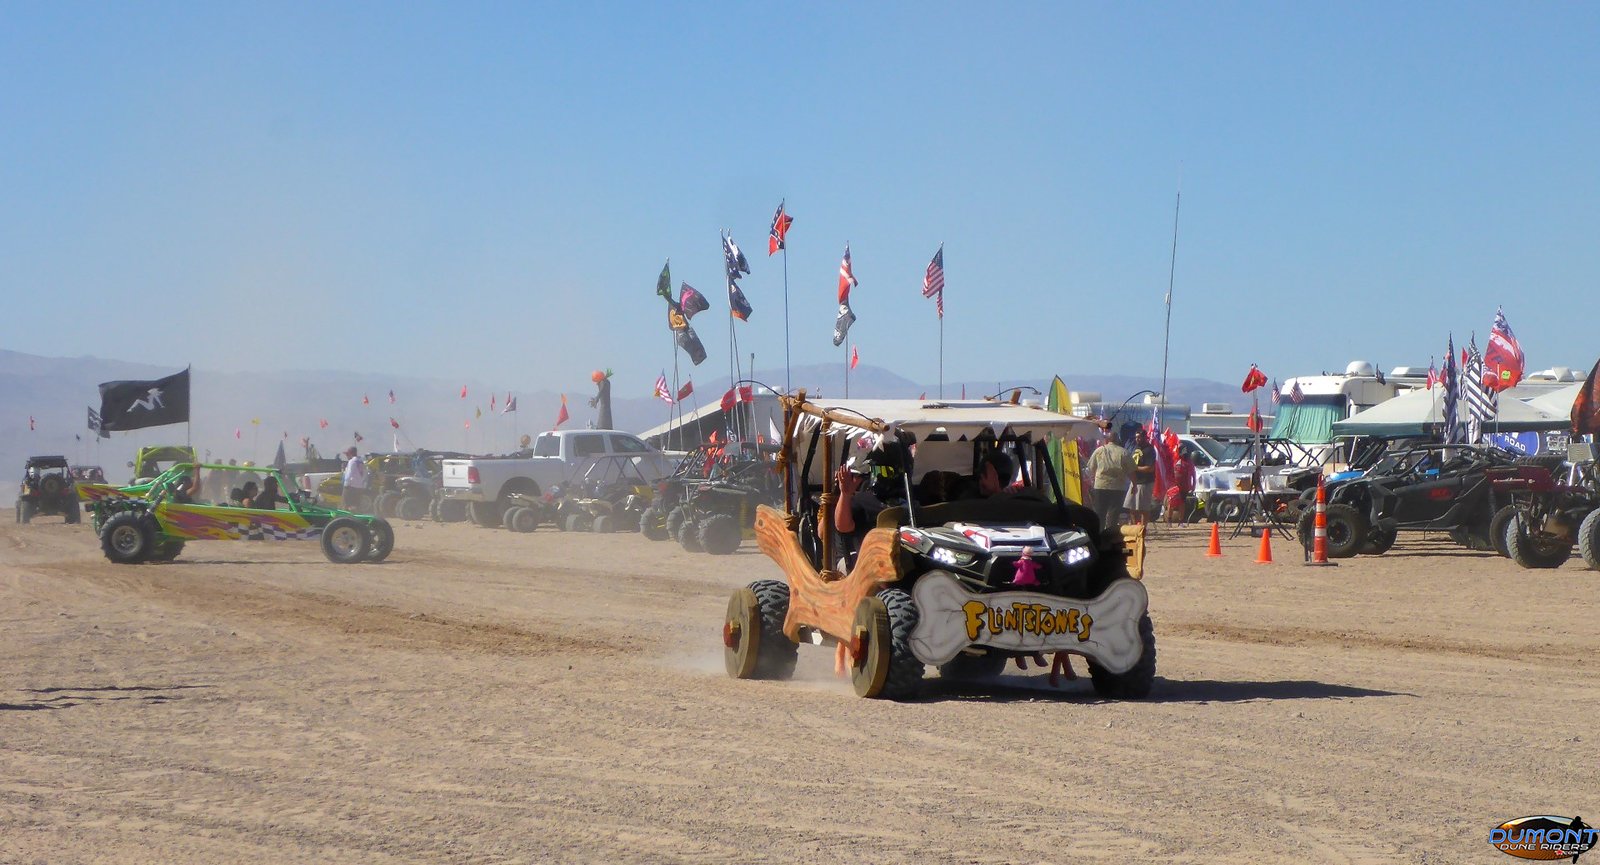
x=207, y=522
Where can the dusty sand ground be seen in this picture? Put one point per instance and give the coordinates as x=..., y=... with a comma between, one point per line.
x=490, y=697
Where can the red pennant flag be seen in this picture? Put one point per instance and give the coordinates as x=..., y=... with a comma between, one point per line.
x=394, y=423
x=491, y=402
x=924, y=395
x=747, y=393
x=855, y=357
x=358, y=437
x=729, y=399
x=1253, y=379
x=463, y=391
x=238, y=433
x=563, y=417
x=511, y=404
x=688, y=388
x=1253, y=423
x=365, y=401
x=323, y=423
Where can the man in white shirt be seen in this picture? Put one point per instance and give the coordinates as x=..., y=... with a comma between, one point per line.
x=354, y=496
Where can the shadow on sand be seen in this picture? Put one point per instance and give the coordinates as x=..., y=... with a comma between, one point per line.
x=1035, y=688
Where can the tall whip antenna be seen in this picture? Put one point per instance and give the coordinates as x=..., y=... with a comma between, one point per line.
x=1166, y=347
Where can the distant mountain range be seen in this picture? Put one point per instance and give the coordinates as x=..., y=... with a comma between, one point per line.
x=56, y=392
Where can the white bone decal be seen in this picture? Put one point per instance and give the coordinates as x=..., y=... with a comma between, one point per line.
x=1105, y=629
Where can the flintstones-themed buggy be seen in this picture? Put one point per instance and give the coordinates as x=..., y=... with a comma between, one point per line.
x=964, y=584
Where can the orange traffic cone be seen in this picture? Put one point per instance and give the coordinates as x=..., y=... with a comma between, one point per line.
x=1214, y=549
x=1264, y=556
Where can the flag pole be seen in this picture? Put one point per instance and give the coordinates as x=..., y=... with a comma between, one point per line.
x=1172, y=270
x=940, y=303
x=788, y=386
x=847, y=367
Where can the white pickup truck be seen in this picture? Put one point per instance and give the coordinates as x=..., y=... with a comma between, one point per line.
x=488, y=484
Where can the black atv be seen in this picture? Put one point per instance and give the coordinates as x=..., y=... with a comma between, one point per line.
x=47, y=490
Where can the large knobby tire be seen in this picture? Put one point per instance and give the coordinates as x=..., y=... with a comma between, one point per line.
x=50, y=486
x=1533, y=550
x=603, y=525
x=25, y=510
x=1589, y=540
x=1497, y=529
x=675, y=520
x=968, y=668
x=1135, y=683
x=653, y=524
x=754, y=645
x=505, y=518
x=452, y=511
x=412, y=508
x=1223, y=509
x=167, y=552
x=885, y=666
x=689, y=536
x=383, y=505
x=578, y=522
x=485, y=514
x=127, y=539
x=525, y=521
x=382, y=540
x=345, y=540
x=719, y=534
x=1347, y=531
x=1379, y=541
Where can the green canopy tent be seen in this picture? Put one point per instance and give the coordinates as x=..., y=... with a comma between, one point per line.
x=1420, y=412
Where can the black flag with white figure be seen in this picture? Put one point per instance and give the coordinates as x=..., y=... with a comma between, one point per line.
x=130, y=405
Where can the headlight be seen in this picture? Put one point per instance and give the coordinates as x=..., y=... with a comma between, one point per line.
x=947, y=556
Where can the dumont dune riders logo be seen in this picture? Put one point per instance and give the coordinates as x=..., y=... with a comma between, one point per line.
x=1544, y=837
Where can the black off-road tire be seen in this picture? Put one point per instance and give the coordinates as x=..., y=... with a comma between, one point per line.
x=759, y=610
x=383, y=505
x=603, y=525
x=525, y=521
x=1223, y=509
x=382, y=541
x=1497, y=529
x=970, y=668
x=25, y=510
x=1347, y=531
x=505, y=518
x=653, y=524
x=345, y=540
x=905, y=671
x=167, y=551
x=689, y=536
x=1379, y=541
x=720, y=534
x=577, y=522
x=1533, y=551
x=1135, y=683
x=485, y=514
x=452, y=511
x=675, y=520
x=128, y=539
x=1589, y=540
x=50, y=487
x=412, y=508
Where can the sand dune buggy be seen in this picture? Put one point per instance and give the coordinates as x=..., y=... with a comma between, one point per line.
x=694, y=470
x=1556, y=514
x=1458, y=490
x=611, y=496
x=156, y=526
x=716, y=516
x=963, y=585
x=47, y=489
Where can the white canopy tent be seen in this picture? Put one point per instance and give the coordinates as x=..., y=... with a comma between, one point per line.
x=1421, y=412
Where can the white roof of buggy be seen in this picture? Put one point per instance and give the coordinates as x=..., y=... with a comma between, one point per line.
x=957, y=419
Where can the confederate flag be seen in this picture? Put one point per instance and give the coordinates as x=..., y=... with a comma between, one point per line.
x=780, y=227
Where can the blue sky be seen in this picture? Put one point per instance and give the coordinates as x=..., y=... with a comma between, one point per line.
x=488, y=191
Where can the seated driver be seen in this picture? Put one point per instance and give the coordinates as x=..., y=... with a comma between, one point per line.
x=856, y=510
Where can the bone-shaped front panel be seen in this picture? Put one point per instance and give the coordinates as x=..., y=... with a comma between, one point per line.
x=950, y=618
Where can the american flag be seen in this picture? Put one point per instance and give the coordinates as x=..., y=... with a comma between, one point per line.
x=933, y=281
x=661, y=388
x=1482, y=403
x=1277, y=392
x=1452, y=392
x=1296, y=393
